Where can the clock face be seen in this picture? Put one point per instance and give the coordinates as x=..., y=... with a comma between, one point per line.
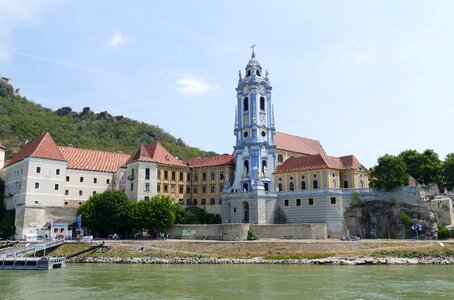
x=261, y=88
x=245, y=89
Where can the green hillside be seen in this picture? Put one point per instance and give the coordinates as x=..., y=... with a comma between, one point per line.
x=21, y=120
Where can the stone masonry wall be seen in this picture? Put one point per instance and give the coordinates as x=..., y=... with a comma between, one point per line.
x=238, y=231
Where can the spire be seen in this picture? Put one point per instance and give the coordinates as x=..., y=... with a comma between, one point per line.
x=253, y=50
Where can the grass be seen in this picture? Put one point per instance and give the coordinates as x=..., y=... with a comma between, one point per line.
x=432, y=252
x=298, y=256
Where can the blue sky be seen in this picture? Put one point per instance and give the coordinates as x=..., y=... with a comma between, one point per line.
x=363, y=77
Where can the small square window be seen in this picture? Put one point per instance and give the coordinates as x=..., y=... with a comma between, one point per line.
x=81, y=192
x=107, y=181
x=66, y=192
x=95, y=180
x=56, y=187
x=57, y=172
x=94, y=192
x=146, y=198
x=81, y=179
x=36, y=185
x=286, y=202
x=311, y=201
x=38, y=169
x=67, y=178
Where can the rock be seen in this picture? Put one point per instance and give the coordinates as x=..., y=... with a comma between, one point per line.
x=380, y=219
x=64, y=111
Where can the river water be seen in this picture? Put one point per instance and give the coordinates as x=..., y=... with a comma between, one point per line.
x=112, y=282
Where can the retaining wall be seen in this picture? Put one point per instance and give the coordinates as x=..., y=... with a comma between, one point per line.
x=238, y=231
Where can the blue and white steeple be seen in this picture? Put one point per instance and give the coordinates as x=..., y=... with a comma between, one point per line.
x=254, y=150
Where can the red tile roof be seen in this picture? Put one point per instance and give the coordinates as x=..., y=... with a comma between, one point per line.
x=93, y=160
x=317, y=162
x=41, y=147
x=141, y=154
x=218, y=160
x=160, y=155
x=297, y=144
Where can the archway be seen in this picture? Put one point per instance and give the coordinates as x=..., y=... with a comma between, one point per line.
x=345, y=184
x=245, y=212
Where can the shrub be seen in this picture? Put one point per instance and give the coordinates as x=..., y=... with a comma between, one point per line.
x=443, y=232
x=279, y=216
x=252, y=235
x=405, y=219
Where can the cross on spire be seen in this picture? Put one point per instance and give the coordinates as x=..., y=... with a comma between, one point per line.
x=253, y=50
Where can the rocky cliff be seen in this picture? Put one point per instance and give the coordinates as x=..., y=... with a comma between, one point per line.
x=380, y=219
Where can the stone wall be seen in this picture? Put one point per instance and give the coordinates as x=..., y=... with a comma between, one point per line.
x=291, y=231
x=238, y=231
x=443, y=209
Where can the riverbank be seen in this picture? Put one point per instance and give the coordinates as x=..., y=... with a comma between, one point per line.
x=265, y=252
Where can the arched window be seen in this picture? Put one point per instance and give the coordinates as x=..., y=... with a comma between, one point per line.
x=262, y=103
x=245, y=187
x=279, y=187
x=246, y=167
x=345, y=184
x=246, y=104
x=303, y=185
x=315, y=184
x=280, y=158
x=291, y=186
x=264, y=168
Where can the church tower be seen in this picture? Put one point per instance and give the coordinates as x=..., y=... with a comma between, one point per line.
x=254, y=150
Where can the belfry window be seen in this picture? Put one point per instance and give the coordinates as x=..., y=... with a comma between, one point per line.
x=248, y=74
x=246, y=104
x=262, y=103
x=258, y=73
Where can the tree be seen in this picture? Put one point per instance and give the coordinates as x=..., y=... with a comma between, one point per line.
x=448, y=171
x=425, y=167
x=389, y=173
x=108, y=212
x=156, y=213
x=279, y=216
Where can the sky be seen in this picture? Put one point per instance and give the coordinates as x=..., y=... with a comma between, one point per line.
x=362, y=77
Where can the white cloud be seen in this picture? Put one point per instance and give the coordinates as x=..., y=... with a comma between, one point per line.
x=354, y=58
x=188, y=84
x=116, y=39
x=14, y=14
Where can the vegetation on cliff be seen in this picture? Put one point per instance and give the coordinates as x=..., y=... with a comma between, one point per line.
x=23, y=120
x=393, y=171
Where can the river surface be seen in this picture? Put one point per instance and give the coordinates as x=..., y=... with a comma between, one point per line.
x=113, y=282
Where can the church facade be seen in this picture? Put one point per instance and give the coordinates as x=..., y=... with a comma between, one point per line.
x=271, y=177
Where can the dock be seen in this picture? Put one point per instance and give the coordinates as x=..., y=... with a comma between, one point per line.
x=32, y=263
x=31, y=257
